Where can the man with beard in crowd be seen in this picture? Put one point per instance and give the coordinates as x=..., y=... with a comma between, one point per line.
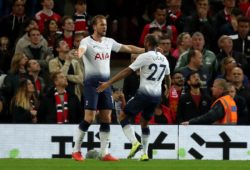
x=195, y=102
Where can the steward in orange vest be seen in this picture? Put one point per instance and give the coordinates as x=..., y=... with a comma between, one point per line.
x=230, y=109
x=223, y=110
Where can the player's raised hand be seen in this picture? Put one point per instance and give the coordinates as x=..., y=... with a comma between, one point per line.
x=102, y=87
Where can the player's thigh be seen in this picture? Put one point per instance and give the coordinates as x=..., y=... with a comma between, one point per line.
x=148, y=110
x=90, y=97
x=105, y=100
x=134, y=106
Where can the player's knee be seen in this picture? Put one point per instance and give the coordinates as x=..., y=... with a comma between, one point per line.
x=84, y=125
x=90, y=118
x=124, y=122
x=122, y=116
x=105, y=127
x=145, y=131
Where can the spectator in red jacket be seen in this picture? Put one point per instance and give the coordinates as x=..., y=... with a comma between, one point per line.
x=160, y=14
x=46, y=13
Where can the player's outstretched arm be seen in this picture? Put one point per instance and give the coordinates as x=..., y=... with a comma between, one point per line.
x=122, y=74
x=80, y=52
x=132, y=49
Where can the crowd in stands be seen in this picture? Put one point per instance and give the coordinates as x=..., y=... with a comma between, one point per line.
x=41, y=78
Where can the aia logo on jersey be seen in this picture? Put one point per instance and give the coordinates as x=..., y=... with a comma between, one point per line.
x=101, y=56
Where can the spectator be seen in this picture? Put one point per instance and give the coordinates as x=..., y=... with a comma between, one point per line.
x=159, y=21
x=184, y=43
x=195, y=63
x=242, y=110
x=241, y=41
x=35, y=50
x=22, y=108
x=175, y=91
x=202, y=22
x=33, y=69
x=225, y=44
x=165, y=45
x=81, y=17
x=66, y=63
x=50, y=33
x=224, y=15
x=68, y=28
x=12, y=24
x=59, y=105
x=5, y=54
x=24, y=41
x=231, y=28
x=174, y=15
x=46, y=13
x=227, y=65
x=241, y=90
x=17, y=72
x=195, y=102
x=223, y=111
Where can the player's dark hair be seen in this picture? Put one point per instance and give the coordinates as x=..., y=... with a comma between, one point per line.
x=152, y=40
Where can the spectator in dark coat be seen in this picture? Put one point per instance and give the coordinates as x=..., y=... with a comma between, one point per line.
x=59, y=105
x=22, y=108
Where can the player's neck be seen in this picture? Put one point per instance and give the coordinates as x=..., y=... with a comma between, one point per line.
x=96, y=37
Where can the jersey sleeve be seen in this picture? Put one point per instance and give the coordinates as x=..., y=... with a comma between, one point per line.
x=83, y=44
x=138, y=63
x=115, y=45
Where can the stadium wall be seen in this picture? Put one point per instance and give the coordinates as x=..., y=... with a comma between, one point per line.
x=166, y=141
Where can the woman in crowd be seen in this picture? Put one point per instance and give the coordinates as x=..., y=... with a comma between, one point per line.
x=23, y=108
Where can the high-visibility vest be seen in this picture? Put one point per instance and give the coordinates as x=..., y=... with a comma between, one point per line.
x=230, y=109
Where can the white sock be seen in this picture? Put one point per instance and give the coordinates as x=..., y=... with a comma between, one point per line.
x=130, y=133
x=144, y=139
x=78, y=140
x=105, y=138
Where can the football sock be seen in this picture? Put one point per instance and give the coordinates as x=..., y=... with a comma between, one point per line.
x=130, y=133
x=104, y=138
x=78, y=140
x=81, y=130
x=144, y=138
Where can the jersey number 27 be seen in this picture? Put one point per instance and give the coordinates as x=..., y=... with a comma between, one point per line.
x=154, y=67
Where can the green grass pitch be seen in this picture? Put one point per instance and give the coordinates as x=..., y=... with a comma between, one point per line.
x=68, y=164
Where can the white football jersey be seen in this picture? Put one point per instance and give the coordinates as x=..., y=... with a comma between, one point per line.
x=153, y=68
x=97, y=56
